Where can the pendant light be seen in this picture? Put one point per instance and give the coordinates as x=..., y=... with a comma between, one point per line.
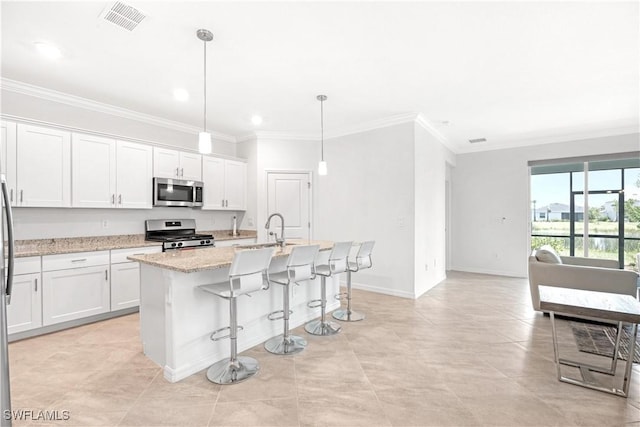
x=204, y=137
x=322, y=166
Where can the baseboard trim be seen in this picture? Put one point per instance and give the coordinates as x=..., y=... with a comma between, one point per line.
x=506, y=273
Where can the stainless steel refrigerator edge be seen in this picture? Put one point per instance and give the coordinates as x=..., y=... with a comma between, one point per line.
x=5, y=299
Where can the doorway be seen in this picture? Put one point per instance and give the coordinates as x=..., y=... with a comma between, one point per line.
x=289, y=193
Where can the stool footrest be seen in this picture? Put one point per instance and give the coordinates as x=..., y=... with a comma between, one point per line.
x=342, y=295
x=280, y=313
x=314, y=303
x=213, y=337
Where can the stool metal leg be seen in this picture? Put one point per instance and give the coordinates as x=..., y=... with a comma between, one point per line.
x=235, y=368
x=348, y=315
x=285, y=343
x=322, y=327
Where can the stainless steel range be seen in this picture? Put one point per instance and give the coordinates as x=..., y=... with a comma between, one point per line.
x=176, y=234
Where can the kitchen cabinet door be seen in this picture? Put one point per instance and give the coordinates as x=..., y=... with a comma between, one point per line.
x=93, y=171
x=190, y=166
x=235, y=184
x=134, y=175
x=125, y=285
x=166, y=163
x=213, y=179
x=8, y=156
x=25, y=311
x=74, y=293
x=43, y=167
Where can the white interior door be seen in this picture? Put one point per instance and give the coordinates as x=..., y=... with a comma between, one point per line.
x=289, y=193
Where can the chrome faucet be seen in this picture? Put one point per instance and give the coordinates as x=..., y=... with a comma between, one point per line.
x=281, y=240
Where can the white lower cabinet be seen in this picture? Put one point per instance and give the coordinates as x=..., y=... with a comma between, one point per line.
x=25, y=311
x=74, y=286
x=125, y=277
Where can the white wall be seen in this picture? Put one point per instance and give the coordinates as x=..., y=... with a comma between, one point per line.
x=431, y=159
x=490, y=202
x=368, y=194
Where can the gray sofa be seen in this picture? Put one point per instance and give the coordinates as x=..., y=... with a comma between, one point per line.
x=580, y=273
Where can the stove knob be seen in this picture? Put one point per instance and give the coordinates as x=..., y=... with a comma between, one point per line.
x=208, y=241
x=202, y=242
x=179, y=244
x=173, y=245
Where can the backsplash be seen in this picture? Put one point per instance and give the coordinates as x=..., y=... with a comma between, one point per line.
x=45, y=223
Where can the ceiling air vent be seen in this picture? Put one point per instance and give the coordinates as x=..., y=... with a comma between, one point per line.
x=475, y=141
x=123, y=16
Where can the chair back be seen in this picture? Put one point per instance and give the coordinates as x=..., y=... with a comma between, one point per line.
x=363, y=258
x=301, y=263
x=249, y=270
x=338, y=260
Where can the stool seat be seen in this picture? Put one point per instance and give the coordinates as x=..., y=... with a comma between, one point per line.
x=362, y=261
x=248, y=273
x=300, y=267
x=337, y=263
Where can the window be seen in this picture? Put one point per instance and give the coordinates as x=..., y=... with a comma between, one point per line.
x=588, y=208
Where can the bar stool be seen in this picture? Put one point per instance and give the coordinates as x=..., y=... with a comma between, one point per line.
x=363, y=261
x=248, y=273
x=300, y=267
x=338, y=263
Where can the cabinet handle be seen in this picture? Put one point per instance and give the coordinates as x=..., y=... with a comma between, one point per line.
x=222, y=205
x=226, y=203
x=36, y=290
x=11, y=196
x=79, y=260
x=106, y=275
x=181, y=172
x=119, y=199
x=177, y=172
x=20, y=196
x=113, y=199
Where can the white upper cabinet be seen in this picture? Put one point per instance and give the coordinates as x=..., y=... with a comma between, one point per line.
x=235, y=182
x=8, y=156
x=134, y=175
x=213, y=179
x=110, y=174
x=176, y=164
x=225, y=184
x=43, y=167
x=93, y=170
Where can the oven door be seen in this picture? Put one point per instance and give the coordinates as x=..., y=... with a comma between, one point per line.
x=173, y=192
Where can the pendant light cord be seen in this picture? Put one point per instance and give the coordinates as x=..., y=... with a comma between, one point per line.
x=205, y=86
x=322, y=130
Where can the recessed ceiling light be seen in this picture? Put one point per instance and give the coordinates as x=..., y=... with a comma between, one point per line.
x=256, y=120
x=48, y=50
x=181, y=95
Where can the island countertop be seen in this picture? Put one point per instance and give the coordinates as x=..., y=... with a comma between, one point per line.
x=200, y=259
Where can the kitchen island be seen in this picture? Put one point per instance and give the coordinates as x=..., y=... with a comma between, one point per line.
x=177, y=318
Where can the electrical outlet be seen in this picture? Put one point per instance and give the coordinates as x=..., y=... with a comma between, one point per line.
x=105, y=223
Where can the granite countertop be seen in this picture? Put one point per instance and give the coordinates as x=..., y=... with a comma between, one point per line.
x=65, y=245
x=191, y=261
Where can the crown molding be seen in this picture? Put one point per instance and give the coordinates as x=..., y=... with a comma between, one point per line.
x=88, y=104
x=506, y=142
x=372, y=125
x=422, y=121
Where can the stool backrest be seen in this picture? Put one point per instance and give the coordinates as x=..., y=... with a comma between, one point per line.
x=249, y=270
x=301, y=263
x=338, y=260
x=363, y=258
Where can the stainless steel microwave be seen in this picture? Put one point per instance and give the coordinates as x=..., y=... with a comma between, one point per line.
x=176, y=192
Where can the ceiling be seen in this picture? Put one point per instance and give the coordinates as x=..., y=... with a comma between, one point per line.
x=511, y=72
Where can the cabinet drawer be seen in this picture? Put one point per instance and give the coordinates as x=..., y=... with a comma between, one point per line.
x=26, y=265
x=234, y=242
x=74, y=260
x=120, y=255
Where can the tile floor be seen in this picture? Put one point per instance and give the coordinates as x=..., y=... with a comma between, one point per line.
x=469, y=352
